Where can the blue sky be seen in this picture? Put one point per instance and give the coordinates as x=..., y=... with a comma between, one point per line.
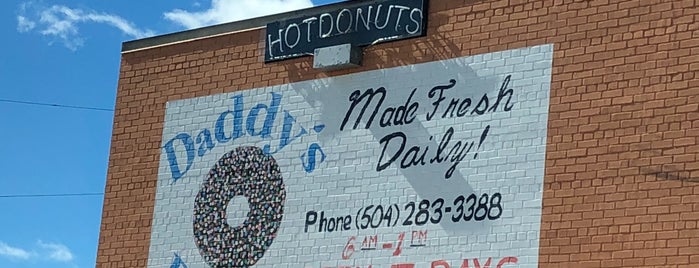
x=68, y=52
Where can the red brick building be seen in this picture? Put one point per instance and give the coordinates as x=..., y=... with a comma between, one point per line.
x=617, y=81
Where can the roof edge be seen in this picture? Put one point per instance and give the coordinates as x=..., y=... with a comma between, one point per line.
x=230, y=27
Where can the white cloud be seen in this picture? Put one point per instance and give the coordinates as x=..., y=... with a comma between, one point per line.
x=24, y=24
x=227, y=10
x=13, y=252
x=56, y=252
x=62, y=22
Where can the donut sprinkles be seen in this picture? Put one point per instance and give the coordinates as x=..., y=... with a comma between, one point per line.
x=245, y=171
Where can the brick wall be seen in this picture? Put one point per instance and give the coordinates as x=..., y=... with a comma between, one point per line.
x=620, y=188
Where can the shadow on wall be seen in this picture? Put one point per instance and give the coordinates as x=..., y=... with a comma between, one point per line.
x=330, y=97
x=435, y=46
x=666, y=171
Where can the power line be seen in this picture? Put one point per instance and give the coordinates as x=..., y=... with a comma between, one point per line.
x=57, y=105
x=50, y=195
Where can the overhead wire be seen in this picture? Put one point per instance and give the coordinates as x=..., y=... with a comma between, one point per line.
x=57, y=105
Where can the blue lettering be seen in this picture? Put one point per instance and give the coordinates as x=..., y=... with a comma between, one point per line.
x=318, y=128
x=286, y=138
x=172, y=157
x=223, y=133
x=178, y=262
x=237, y=121
x=272, y=110
x=205, y=142
x=312, y=152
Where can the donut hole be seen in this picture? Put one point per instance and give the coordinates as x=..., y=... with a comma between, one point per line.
x=237, y=211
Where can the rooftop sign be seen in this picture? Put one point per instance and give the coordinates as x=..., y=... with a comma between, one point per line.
x=360, y=24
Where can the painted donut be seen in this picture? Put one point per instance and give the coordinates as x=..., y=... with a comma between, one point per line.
x=245, y=171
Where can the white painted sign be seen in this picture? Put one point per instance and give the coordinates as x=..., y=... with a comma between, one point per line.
x=438, y=164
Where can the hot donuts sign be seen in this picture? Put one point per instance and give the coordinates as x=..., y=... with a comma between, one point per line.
x=438, y=164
